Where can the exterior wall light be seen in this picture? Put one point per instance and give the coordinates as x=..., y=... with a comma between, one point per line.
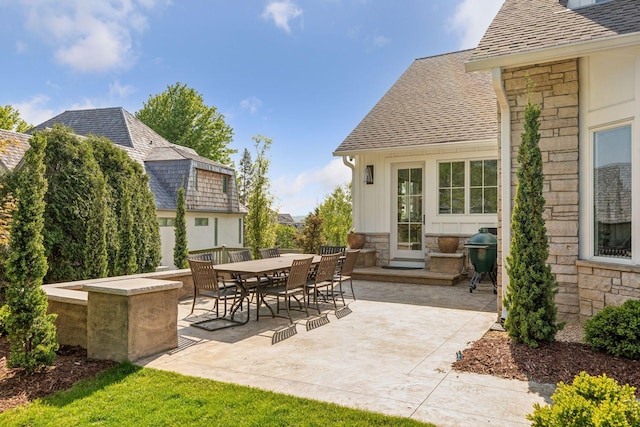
x=368, y=174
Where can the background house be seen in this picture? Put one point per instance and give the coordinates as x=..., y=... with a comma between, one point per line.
x=214, y=215
x=424, y=160
x=583, y=58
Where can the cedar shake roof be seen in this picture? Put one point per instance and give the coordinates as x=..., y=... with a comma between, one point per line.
x=16, y=145
x=435, y=101
x=530, y=25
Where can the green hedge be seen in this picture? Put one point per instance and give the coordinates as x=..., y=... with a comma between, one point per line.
x=616, y=330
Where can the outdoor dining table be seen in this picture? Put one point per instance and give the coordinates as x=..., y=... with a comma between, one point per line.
x=260, y=268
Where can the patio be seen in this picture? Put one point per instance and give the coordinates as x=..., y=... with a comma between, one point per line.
x=392, y=354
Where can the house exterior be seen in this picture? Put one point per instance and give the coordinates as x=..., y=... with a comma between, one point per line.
x=583, y=57
x=424, y=160
x=214, y=215
x=15, y=145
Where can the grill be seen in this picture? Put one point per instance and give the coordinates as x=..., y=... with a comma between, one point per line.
x=483, y=253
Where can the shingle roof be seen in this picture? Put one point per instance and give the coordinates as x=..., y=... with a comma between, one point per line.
x=435, y=101
x=529, y=25
x=13, y=151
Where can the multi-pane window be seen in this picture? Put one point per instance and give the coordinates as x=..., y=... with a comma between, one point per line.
x=451, y=187
x=483, y=186
x=166, y=222
x=612, y=192
x=468, y=187
x=202, y=222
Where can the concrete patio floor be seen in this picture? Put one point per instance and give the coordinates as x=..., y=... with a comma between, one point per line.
x=392, y=355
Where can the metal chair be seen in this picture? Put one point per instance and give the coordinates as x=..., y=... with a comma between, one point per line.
x=206, y=283
x=328, y=250
x=239, y=256
x=294, y=285
x=324, y=279
x=269, y=253
x=345, y=271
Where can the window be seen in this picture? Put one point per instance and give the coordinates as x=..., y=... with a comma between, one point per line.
x=574, y=4
x=612, y=192
x=451, y=187
x=195, y=179
x=202, y=222
x=215, y=231
x=166, y=222
x=483, y=186
x=468, y=187
x=225, y=184
x=239, y=230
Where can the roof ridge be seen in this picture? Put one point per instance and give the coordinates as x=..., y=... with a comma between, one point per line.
x=445, y=54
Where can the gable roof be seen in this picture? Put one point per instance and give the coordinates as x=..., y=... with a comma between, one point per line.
x=13, y=151
x=545, y=26
x=434, y=101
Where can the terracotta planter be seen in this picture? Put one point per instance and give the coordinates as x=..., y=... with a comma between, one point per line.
x=356, y=240
x=448, y=244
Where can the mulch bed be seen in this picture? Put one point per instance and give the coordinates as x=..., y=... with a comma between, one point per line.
x=70, y=366
x=495, y=354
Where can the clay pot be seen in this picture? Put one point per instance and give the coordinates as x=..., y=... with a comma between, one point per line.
x=356, y=240
x=448, y=244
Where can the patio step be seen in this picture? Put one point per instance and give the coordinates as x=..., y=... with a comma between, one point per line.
x=417, y=276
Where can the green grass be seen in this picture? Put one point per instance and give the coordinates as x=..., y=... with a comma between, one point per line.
x=129, y=395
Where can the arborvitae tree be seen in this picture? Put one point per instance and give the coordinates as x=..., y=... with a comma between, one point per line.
x=95, y=253
x=126, y=262
x=335, y=210
x=122, y=174
x=261, y=220
x=312, y=236
x=30, y=330
x=180, y=251
x=530, y=295
x=245, y=177
x=75, y=181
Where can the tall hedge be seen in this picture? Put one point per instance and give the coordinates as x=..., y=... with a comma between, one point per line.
x=531, y=309
x=180, y=250
x=30, y=330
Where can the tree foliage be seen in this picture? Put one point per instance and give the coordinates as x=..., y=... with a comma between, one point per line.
x=30, y=330
x=10, y=120
x=532, y=287
x=261, y=220
x=180, y=115
x=286, y=236
x=180, y=248
x=245, y=177
x=312, y=236
x=335, y=210
x=126, y=257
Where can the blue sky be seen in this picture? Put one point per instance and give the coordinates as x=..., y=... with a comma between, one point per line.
x=303, y=73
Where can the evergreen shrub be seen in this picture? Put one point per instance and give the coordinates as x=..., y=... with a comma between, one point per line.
x=589, y=401
x=616, y=330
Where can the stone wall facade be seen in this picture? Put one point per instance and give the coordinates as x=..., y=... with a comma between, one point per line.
x=603, y=285
x=555, y=89
x=381, y=242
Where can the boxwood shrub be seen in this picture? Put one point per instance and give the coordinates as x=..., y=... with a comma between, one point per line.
x=616, y=330
x=589, y=401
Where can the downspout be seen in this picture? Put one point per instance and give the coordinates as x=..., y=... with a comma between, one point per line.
x=505, y=163
x=350, y=163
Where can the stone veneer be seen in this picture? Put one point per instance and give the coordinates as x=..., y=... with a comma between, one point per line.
x=381, y=243
x=556, y=91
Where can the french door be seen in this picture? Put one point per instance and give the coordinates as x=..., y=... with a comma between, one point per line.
x=408, y=217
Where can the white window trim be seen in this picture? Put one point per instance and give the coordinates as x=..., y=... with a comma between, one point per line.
x=467, y=188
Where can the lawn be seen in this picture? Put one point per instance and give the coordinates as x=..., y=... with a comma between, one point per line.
x=129, y=395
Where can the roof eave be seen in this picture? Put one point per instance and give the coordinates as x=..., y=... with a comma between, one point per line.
x=475, y=144
x=556, y=53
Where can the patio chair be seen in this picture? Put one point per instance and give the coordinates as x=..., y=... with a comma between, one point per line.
x=206, y=283
x=294, y=285
x=239, y=256
x=269, y=253
x=328, y=250
x=206, y=256
x=324, y=279
x=345, y=271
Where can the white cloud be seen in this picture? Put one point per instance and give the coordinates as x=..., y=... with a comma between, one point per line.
x=34, y=111
x=252, y=104
x=301, y=194
x=89, y=36
x=21, y=47
x=282, y=12
x=120, y=91
x=471, y=20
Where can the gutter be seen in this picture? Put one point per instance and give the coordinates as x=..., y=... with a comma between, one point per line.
x=505, y=163
x=350, y=163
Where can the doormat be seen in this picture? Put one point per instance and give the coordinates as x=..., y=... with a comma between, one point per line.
x=390, y=267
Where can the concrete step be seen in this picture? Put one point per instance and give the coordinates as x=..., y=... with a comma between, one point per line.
x=418, y=276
